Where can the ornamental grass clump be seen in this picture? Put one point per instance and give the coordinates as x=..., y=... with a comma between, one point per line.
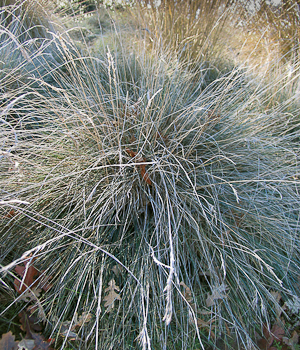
x=160, y=211
x=30, y=49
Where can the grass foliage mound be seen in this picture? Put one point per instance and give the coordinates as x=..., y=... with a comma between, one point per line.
x=162, y=208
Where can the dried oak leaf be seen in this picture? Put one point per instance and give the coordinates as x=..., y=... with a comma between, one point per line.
x=29, y=323
x=293, y=341
x=30, y=280
x=84, y=318
x=10, y=214
x=68, y=328
x=144, y=173
x=187, y=292
x=112, y=295
x=217, y=293
x=7, y=342
x=275, y=334
x=277, y=296
x=30, y=294
x=142, y=167
x=40, y=342
x=26, y=344
x=202, y=324
x=131, y=153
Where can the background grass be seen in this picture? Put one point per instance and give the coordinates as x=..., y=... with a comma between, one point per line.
x=198, y=247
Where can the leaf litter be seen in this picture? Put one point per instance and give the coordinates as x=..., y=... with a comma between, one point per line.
x=282, y=335
x=112, y=295
x=31, y=278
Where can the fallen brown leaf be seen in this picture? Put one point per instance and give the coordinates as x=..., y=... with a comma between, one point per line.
x=217, y=293
x=29, y=323
x=112, y=296
x=7, y=342
x=187, y=292
x=26, y=344
x=276, y=334
x=277, y=296
x=293, y=341
x=142, y=167
x=30, y=294
x=33, y=278
x=29, y=280
x=40, y=342
x=10, y=214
